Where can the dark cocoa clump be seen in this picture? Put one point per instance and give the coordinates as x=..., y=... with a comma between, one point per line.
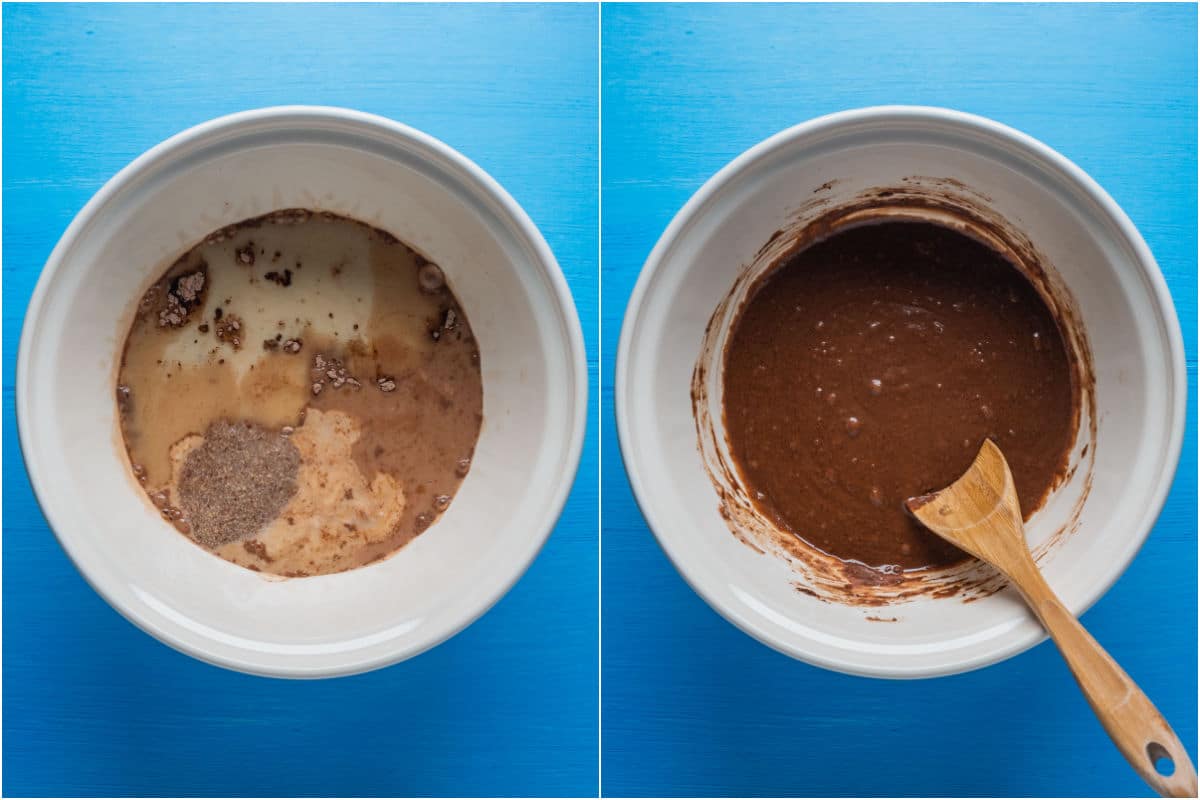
x=291, y=346
x=449, y=322
x=236, y=482
x=257, y=548
x=229, y=329
x=124, y=399
x=331, y=371
x=282, y=278
x=185, y=294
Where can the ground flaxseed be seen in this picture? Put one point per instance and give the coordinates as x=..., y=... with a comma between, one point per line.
x=237, y=481
x=376, y=466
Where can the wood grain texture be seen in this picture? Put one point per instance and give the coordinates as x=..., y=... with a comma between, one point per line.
x=95, y=707
x=691, y=705
x=981, y=514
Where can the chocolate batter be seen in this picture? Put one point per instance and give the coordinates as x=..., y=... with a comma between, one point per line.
x=869, y=367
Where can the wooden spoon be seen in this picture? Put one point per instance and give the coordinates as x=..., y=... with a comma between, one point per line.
x=980, y=514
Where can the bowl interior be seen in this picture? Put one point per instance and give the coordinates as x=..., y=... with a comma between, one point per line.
x=1128, y=320
x=530, y=351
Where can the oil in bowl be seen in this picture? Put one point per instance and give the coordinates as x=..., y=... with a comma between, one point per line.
x=300, y=393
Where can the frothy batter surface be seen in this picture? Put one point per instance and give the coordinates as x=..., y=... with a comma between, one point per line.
x=870, y=366
x=301, y=393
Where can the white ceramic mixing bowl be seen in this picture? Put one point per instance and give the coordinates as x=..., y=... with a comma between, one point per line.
x=393, y=177
x=1090, y=246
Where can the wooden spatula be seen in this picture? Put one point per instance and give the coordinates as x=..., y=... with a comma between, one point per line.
x=980, y=514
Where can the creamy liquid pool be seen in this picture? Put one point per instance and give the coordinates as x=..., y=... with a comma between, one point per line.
x=300, y=393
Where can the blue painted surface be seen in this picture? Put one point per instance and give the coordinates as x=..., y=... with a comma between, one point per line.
x=692, y=706
x=92, y=705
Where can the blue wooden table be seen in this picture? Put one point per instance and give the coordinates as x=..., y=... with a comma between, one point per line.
x=691, y=706
x=94, y=706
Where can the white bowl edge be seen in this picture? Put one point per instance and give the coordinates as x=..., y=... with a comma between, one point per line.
x=922, y=114
x=493, y=193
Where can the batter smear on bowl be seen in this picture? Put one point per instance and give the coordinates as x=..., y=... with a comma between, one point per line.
x=300, y=393
x=869, y=367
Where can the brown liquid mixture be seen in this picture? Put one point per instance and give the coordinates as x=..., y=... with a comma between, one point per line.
x=870, y=366
x=301, y=393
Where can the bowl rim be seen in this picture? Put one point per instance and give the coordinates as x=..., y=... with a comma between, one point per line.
x=441, y=156
x=962, y=122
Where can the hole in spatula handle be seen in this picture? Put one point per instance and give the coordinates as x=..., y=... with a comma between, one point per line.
x=1163, y=763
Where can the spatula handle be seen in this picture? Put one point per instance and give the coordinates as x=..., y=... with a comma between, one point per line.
x=1135, y=725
